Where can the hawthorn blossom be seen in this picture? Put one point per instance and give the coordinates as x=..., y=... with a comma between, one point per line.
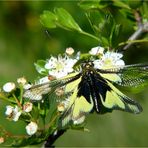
x=60, y=66
x=97, y=50
x=108, y=60
x=8, y=87
x=27, y=107
x=69, y=51
x=22, y=81
x=31, y=128
x=13, y=113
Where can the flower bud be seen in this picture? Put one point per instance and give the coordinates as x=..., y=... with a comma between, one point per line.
x=22, y=81
x=27, y=107
x=8, y=87
x=61, y=107
x=97, y=50
x=31, y=128
x=9, y=110
x=69, y=51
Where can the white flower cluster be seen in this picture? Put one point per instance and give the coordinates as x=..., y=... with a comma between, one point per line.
x=13, y=113
x=62, y=65
x=107, y=59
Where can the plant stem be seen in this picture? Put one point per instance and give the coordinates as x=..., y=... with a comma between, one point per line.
x=90, y=35
x=18, y=103
x=142, y=28
x=53, y=137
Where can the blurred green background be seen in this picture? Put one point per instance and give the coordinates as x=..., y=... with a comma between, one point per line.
x=23, y=40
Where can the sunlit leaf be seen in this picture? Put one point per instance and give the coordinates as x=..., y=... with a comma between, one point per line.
x=48, y=19
x=65, y=20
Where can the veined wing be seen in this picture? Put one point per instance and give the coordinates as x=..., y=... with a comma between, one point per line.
x=36, y=92
x=112, y=98
x=77, y=105
x=130, y=75
x=74, y=107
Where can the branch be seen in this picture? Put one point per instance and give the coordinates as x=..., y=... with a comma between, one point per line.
x=52, y=138
x=142, y=28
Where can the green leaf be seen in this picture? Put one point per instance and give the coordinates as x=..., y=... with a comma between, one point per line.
x=144, y=12
x=48, y=19
x=33, y=140
x=135, y=4
x=65, y=20
x=120, y=4
x=92, y=5
x=114, y=35
x=40, y=67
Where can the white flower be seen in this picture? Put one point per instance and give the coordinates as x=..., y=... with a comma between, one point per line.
x=61, y=66
x=22, y=81
x=9, y=110
x=109, y=60
x=8, y=87
x=31, y=128
x=96, y=50
x=16, y=114
x=13, y=113
x=27, y=107
x=69, y=51
x=43, y=80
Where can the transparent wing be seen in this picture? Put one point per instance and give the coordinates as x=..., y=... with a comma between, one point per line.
x=76, y=106
x=36, y=92
x=65, y=90
x=130, y=75
x=115, y=99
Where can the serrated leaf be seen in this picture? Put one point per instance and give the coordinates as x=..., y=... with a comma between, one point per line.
x=91, y=5
x=65, y=20
x=48, y=19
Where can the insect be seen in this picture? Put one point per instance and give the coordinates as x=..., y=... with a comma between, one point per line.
x=93, y=89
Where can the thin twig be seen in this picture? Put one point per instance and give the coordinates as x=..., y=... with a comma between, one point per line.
x=142, y=28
